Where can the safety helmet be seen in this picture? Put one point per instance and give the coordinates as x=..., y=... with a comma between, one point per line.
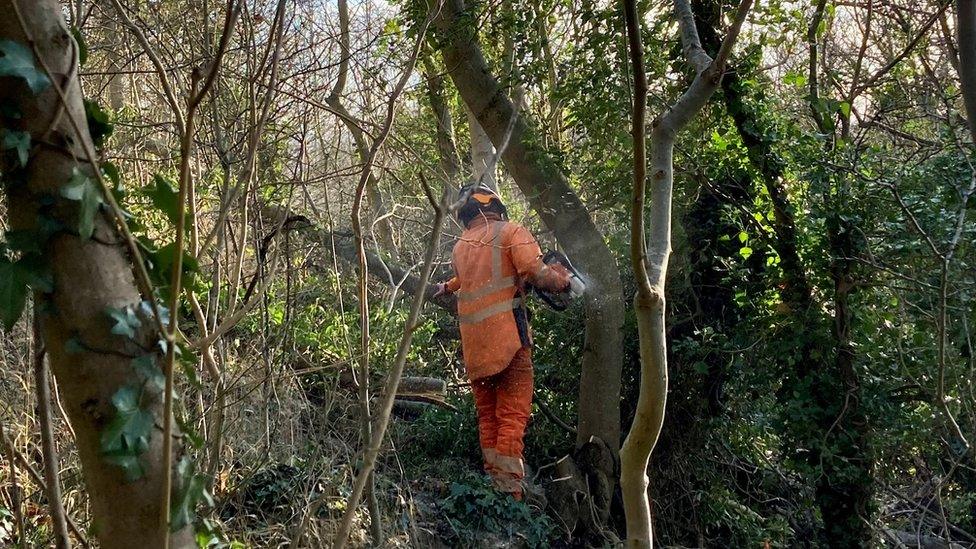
x=479, y=198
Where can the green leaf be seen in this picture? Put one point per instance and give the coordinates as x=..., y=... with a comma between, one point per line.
x=131, y=466
x=191, y=434
x=719, y=142
x=743, y=236
x=127, y=435
x=193, y=490
x=17, y=60
x=126, y=399
x=145, y=367
x=745, y=252
x=112, y=173
x=80, y=188
x=145, y=308
x=845, y=109
x=35, y=270
x=99, y=122
x=126, y=321
x=164, y=197
x=190, y=371
x=13, y=293
x=163, y=261
x=82, y=46
x=19, y=142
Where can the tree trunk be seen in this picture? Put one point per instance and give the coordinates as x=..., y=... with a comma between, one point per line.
x=549, y=193
x=649, y=256
x=89, y=277
x=966, y=29
x=382, y=226
x=450, y=164
x=482, y=153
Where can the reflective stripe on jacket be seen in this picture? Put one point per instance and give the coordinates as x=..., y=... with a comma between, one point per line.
x=492, y=260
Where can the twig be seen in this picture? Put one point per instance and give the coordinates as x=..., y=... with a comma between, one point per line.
x=396, y=373
x=553, y=417
x=42, y=387
x=178, y=117
x=14, y=487
x=364, y=178
x=36, y=477
x=176, y=281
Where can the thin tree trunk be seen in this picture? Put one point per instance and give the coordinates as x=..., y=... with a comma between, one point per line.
x=446, y=146
x=375, y=442
x=383, y=227
x=966, y=29
x=89, y=277
x=649, y=258
x=42, y=386
x=482, y=153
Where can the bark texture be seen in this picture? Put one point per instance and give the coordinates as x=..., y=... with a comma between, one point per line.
x=450, y=163
x=649, y=257
x=89, y=277
x=482, y=153
x=966, y=29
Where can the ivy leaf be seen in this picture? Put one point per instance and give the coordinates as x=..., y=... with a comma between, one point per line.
x=35, y=270
x=13, y=293
x=19, y=142
x=99, y=122
x=126, y=322
x=193, y=490
x=131, y=467
x=127, y=436
x=164, y=197
x=145, y=308
x=126, y=399
x=26, y=241
x=128, y=433
x=81, y=189
x=145, y=367
x=17, y=60
x=82, y=46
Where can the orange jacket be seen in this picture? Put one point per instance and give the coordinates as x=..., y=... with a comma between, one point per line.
x=492, y=261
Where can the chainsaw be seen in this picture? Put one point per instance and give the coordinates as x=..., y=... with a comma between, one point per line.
x=560, y=301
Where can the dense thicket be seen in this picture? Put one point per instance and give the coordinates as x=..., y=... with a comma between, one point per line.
x=216, y=215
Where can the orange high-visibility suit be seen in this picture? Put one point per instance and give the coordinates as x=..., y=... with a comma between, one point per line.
x=493, y=260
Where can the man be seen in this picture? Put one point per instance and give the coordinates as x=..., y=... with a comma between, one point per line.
x=494, y=260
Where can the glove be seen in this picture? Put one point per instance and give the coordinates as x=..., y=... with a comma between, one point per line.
x=576, y=286
x=439, y=289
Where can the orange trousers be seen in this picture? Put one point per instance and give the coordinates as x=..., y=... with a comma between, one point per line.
x=504, y=404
